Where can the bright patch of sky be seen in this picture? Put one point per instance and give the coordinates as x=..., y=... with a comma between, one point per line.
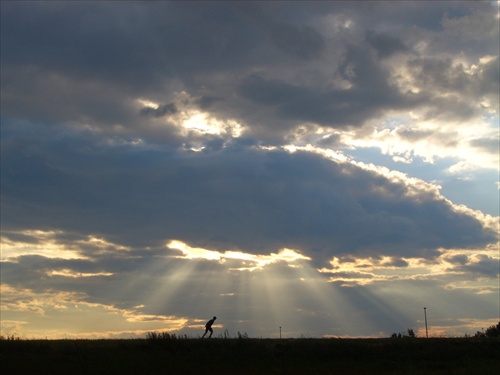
x=475, y=189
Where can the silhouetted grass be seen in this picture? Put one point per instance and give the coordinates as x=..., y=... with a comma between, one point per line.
x=182, y=355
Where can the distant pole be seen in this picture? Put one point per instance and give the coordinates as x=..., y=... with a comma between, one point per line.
x=425, y=315
x=280, y=332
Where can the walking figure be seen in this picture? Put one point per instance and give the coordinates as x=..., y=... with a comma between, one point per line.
x=208, y=327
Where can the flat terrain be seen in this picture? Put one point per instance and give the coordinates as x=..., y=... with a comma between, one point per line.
x=252, y=356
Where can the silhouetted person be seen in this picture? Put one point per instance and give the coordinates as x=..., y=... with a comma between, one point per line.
x=208, y=327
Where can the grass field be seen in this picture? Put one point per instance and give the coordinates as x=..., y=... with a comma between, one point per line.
x=252, y=356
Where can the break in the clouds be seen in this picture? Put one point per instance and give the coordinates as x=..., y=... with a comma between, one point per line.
x=328, y=167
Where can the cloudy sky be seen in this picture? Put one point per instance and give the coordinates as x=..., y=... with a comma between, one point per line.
x=330, y=168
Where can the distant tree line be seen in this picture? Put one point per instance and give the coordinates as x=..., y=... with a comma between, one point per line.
x=408, y=334
x=492, y=331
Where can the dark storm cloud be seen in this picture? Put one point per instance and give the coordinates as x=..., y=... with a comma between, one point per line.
x=132, y=45
x=85, y=63
x=228, y=198
x=484, y=266
x=87, y=40
x=385, y=45
x=478, y=266
x=369, y=96
x=298, y=41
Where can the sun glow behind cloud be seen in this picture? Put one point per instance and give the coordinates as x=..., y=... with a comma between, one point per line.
x=350, y=271
x=70, y=273
x=248, y=261
x=46, y=244
x=188, y=119
x=40, y=243
x=205, y=124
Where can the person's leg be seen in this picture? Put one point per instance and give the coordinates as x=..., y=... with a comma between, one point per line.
x=211, y=331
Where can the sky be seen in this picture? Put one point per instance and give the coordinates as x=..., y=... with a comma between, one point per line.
x=323, y=169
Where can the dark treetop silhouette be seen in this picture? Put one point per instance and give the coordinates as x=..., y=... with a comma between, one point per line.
x=208, y=327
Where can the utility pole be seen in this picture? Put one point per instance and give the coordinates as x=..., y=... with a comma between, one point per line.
x=425, y=315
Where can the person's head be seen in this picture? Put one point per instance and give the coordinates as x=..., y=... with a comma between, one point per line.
x=215, y=317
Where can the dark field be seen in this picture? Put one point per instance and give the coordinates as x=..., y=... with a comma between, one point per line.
x=252, y=356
